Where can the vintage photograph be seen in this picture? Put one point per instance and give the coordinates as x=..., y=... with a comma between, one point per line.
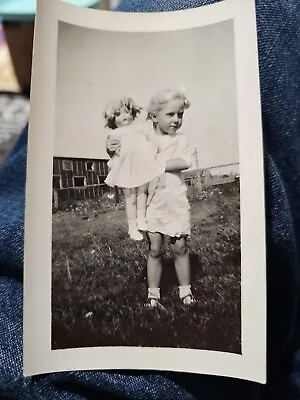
x=146, y=242
x=145, y=222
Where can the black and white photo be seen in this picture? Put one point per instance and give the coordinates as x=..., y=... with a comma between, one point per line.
x=168, y=226
x=148, y=185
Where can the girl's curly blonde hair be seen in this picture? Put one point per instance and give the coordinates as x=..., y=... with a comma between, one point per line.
x=163, y=97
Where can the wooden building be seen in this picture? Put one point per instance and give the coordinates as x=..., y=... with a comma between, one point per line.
x=78, y=179
x=81, y=179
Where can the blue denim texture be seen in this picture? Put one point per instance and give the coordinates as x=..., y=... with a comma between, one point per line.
x=279, y=56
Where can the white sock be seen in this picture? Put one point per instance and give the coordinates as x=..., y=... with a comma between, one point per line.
x=184, y=291
x=154, y=293
x=133, y=231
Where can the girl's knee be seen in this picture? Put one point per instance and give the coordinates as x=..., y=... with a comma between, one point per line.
x=180, y=248
x=155, y=250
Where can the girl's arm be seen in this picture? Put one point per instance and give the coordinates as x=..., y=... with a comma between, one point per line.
x=184, y=159
x=112, y=146
x=113, y=142
x=176, y=165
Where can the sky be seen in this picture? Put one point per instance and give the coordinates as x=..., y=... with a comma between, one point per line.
x=95, y=67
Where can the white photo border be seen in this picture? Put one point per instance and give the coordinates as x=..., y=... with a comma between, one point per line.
x=38, y=356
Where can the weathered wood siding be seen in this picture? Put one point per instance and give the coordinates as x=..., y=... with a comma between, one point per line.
x=78, y=179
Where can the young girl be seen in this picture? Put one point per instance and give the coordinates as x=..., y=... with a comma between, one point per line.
x=134, y=165
x=168, y=210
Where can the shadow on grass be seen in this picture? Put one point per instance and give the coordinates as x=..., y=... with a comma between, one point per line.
x=118, y=321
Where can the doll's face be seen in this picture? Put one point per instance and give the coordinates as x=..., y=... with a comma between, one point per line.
x=123, y=117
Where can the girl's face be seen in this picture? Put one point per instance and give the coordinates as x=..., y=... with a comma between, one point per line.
x=123, y=117
x=169, y=118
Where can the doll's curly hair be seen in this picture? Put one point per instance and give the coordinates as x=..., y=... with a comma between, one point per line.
x=114, y=108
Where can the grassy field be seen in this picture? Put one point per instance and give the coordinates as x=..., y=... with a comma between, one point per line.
x=99, y=280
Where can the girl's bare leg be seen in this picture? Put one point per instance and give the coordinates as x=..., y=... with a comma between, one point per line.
x=182, y=267
x=131, y=211
x=154, y=267
x=141, y=207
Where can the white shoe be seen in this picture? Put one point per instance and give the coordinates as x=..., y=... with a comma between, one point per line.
x=154, y=303
x=188, y=300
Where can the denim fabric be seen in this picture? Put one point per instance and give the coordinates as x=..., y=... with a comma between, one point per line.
x=279, y=54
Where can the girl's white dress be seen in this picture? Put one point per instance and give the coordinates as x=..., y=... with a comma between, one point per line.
x=136, y=164
x=168, y=210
